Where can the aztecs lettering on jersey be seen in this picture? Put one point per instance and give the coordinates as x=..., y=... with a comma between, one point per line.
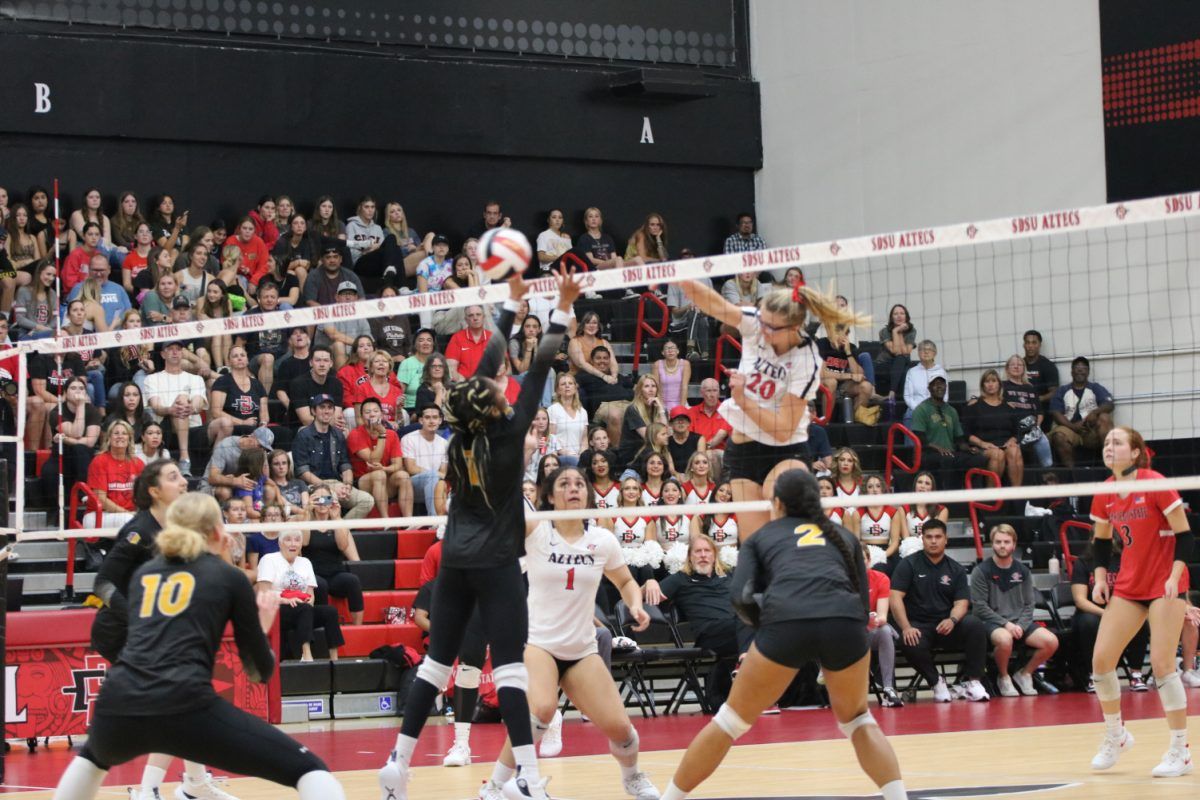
x=572, y=559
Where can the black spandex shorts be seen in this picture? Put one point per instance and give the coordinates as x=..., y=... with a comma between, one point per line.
x=753, y=461
x=833, y=643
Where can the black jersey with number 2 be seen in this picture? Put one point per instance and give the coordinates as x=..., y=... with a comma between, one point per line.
x=177, y=614
x=800, y=573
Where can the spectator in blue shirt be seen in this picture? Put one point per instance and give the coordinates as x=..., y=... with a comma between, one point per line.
x=111, y=297
x=1082, y=413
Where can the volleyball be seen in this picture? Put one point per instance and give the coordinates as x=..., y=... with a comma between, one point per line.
x=504, y=252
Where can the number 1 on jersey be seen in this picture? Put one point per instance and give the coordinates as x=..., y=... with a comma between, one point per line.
x=571, y=579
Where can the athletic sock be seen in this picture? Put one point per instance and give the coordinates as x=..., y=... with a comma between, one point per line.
x=152, y=777
x=501, y=772
x=673, y=792
x=319, y=785
x=196, y=773
x=81, y=778
x=405, y=745
x=462, y=732
x=893, y=791
x=1113, y=726
x=626, y=754
x=1179, y=739
x=526, y=758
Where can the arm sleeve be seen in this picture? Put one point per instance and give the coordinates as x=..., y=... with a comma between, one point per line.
x=112, y=580
x=745, y=584
x=252, y=644
x=1056, y=402
x=535, y=379
x=497, y=346
x=979, y=599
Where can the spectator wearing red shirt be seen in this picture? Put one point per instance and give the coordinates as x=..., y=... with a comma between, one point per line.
x=380, y=384
x=255, y=254
x=430, y=563
x=881, y=635
x=466, y=347
x=263, y=218
x=75, y=267
x=376, y=460
x=709, y=424
x=111, y=476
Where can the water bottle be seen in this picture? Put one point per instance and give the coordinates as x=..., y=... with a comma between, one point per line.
x=889, y=413
x=1053, y=565
x=847, y=410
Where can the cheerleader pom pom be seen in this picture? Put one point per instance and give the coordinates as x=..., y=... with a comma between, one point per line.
x=654, y=554
x=729, y=556
x=634, y=556
x=909, y=546
x=876, y=555
x=676, y=557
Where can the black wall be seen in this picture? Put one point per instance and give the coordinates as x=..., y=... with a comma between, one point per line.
x=1151, y=96
x=217, y=126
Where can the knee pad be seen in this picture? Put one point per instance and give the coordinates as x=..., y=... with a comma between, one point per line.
x=511, y=676
x=728, y=720
x=1171, y=692
x=467, y=677
x=1108, y=688
x=434, y=673
x=848, y=728
x=628, y=748
x=537, y=728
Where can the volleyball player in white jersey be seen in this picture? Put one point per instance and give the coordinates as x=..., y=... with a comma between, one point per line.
x=566, y=562
x=779, y=372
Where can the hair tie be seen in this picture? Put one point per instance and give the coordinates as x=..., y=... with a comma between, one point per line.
x=796, y=296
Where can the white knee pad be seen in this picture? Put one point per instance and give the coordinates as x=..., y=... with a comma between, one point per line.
x=1108, y=688
x=728, y=720
x=432, y=672
x=467, y=677
x=848, y=728
x=628, y=748
x=511, y=676
x=1171, y=692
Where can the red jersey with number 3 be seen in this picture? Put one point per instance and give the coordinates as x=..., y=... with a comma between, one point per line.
x=1148, y=543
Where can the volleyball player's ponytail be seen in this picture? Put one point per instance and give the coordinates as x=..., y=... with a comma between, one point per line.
x=794, y=305
x=177, y=543
x=469, y=407
x=797, y=490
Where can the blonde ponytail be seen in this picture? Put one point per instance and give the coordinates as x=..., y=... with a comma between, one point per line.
x=180, y=544
x=794, y=305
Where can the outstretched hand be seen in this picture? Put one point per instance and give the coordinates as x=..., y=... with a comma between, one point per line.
x=517, y=287
x=569, y=288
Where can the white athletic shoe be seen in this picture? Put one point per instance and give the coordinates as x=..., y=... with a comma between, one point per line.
x=206, y=790
x=941, y=692
x=1024, y=682
x=518, y=788
x=640, y=787
x=973, y=690
x=1176, y=762
x=393, y=780
x=1191, y=678
x=459, y=755
x=551, y=744
x=136, y=793
x=490, y=790
x=1005, y=684
x=1111, y=749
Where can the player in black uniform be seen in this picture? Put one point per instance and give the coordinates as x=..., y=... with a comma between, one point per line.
x=159, y=697
x=158, y=485
x=801, y=582
x=485, y=535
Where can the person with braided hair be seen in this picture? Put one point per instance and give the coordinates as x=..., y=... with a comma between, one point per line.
x=485, y=536
x=779, y=373
x=802, y=584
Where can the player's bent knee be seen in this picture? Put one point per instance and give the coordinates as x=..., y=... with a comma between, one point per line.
x=1171, y=693
x=728, y=720
x=1108, y=687
x=434, y=673
x=848, y=728
x=511, y=676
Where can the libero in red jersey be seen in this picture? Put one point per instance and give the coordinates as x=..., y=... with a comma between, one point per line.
x=1157, y=544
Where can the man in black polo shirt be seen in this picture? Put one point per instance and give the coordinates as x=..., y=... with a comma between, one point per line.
x=319, y=379
x=930, y=601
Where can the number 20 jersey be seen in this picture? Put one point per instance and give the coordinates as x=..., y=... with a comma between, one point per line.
x=563, y=579
x=770, y=378
x=1148, y=542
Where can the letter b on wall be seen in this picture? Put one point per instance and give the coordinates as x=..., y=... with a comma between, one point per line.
x=41, y=98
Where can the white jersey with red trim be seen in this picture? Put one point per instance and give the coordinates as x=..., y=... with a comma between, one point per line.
x=630, y=532
x=724, y=533
x=838, y=515
x=876, y=530
x=916, y=521
x=607, y=499
x=844, y=492
x=692, y=496
x=563, y=579
x=770, y=378
x=673, y=529
x=649, y=496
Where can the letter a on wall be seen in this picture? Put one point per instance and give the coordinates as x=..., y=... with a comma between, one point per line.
x=647, y=132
